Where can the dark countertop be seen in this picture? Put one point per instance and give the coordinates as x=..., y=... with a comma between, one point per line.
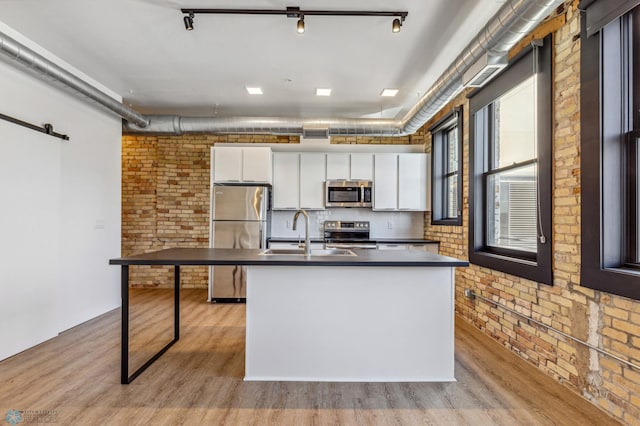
x=205, y=256
x=377, y=240
x=405, y=241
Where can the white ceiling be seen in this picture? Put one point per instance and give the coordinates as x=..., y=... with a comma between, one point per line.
x=140, y=49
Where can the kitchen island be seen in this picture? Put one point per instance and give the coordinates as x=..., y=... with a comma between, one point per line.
x=376, y=316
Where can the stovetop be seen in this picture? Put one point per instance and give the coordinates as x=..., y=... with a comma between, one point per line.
x=336, y=231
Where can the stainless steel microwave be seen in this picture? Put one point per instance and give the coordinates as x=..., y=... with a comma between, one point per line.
x=349, y=193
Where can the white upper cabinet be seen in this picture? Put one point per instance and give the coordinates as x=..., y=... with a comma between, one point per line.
x=337, y=166
x=385, y=182
x=401, y=182
x=286, y=178
x=298, y=180
x=256, y=165
x=350, y=166
x=242, y=165
x=227, y=164
x=412, y=182
x=362, y=167
x=312, y=180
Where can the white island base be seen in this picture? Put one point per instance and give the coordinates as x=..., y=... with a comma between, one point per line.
x=350, y=324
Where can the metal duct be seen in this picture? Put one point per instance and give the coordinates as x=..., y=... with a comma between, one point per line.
x=514, y=20
x=31, y=60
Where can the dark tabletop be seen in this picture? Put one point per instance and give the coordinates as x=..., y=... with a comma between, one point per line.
x=205, y=256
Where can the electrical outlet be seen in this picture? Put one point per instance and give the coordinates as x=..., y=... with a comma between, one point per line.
x=389, y=224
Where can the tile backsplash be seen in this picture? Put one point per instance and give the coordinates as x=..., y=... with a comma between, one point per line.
x=383, y=224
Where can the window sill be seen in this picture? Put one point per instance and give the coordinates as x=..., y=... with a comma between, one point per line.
x=523, y=268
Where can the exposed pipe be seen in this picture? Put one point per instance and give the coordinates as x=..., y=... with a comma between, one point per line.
x=515, y=19
x=32, y=60
x=473, y=295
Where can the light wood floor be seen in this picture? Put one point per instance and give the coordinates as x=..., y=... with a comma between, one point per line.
x=199, y=380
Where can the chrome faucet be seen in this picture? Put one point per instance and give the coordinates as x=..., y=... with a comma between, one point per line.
x=307, y=241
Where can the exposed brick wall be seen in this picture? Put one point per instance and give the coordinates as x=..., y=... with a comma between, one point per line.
x=166, y=204
x=165, y=195
x=609, y=321
x=165, y=199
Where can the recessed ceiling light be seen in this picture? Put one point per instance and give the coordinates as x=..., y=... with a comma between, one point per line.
x=389, y=92
x=254, y=90
x=323, y=92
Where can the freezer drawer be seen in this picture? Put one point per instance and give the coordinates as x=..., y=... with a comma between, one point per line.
x=229, y=283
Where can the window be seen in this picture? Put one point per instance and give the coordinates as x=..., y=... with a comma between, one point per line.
x=510, y=176
x=610, y=147
x=446, y=170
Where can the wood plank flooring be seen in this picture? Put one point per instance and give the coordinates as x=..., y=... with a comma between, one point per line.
x=200, y=380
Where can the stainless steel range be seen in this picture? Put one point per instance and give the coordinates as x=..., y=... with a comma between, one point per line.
x=341, y=234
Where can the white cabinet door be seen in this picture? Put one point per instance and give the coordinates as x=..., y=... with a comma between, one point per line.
x=256, y=165
x=412, y=182
x=385, y=182
x=312, y=179
x=392, y=247
x=431, y=247
x=227, y=164
x=286, y=195
x=338, y=166
x=362, y=166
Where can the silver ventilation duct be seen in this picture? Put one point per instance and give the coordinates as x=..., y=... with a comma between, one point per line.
x=33, y=61
x=514, y=20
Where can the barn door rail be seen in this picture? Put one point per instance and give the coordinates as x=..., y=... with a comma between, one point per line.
x=46, y=128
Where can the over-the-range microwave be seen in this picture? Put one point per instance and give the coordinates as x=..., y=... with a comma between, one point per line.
x=349, y=193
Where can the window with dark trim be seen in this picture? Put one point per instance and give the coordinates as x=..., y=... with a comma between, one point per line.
x=510, y=201
x=446, y=169
x=610, y=147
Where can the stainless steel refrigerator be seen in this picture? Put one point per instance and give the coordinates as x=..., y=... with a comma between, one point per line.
x=240, y=219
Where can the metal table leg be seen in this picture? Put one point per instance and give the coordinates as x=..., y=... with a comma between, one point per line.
x=125, y=379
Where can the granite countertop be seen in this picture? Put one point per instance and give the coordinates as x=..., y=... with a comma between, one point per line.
x=205, y=256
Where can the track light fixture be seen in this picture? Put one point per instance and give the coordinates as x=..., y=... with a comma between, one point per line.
x=188, y=22
x=295, y=12
x=395, y=27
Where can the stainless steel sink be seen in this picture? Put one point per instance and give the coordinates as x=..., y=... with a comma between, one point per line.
x=316, y=252
x=332, y=252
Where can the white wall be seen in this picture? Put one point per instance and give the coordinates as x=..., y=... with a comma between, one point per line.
x=59, y=211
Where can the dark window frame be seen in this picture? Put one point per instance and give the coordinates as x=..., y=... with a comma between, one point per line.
x=607, y=122
x=539, y=267
x=439, y=167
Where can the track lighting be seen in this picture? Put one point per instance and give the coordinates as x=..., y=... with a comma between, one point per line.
x=188, y=22
x=395, y=27
x=295, y=12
